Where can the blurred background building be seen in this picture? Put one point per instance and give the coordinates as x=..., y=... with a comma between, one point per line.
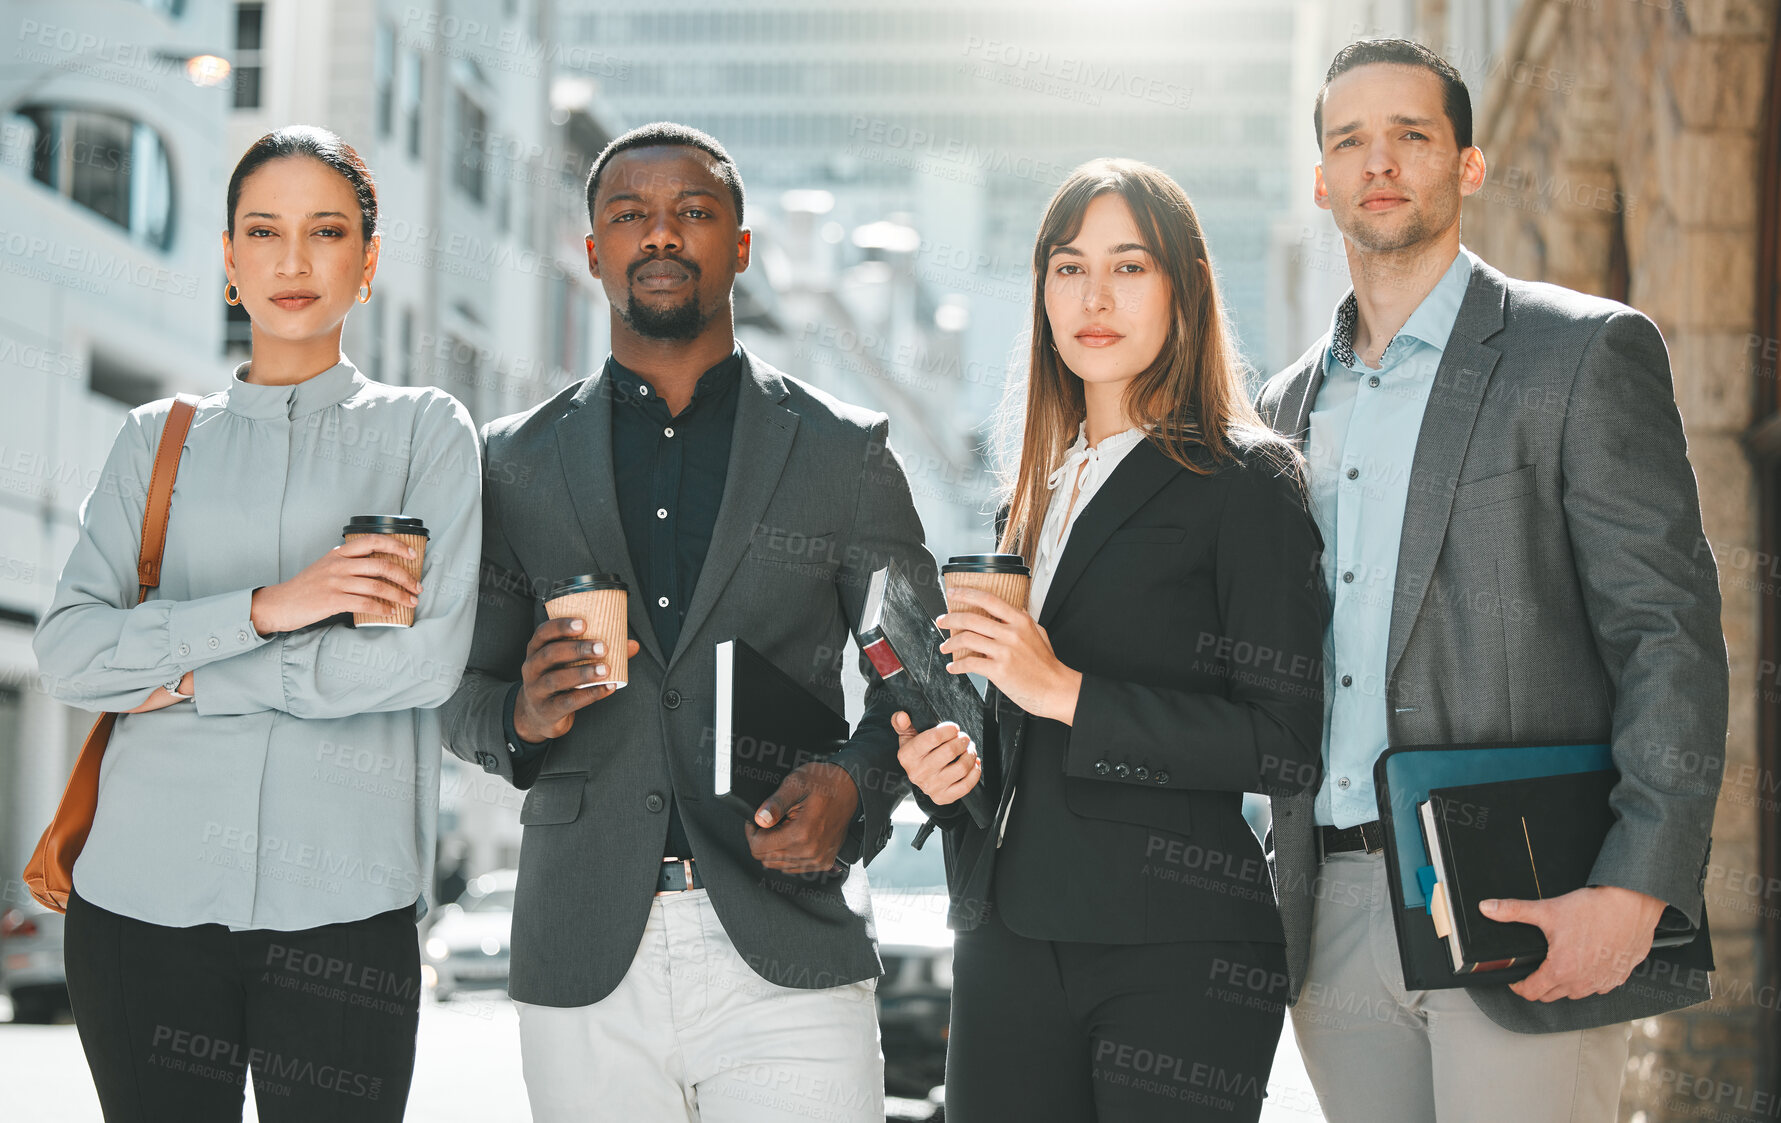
x=898, y=157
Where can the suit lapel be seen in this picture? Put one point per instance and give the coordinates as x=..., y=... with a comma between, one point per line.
x=584, y=445
x=758, y=450
x=1454, y=400
x=1301, y=396
x=1144, y=470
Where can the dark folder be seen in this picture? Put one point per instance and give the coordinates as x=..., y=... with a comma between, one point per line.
x=902, y=642
x=1527, y=839
x=765, y=724
x=1408, y=776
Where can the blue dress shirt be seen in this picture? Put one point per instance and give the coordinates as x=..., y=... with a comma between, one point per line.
x=1363, y=436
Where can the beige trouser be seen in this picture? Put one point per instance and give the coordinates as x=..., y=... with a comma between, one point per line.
x=1378, y=1053
x=693, y=1033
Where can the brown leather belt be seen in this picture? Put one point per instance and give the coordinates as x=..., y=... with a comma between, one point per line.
x=678, y=875
x=1369, y=837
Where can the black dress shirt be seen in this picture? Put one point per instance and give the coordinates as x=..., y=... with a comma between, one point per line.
x=670, y=471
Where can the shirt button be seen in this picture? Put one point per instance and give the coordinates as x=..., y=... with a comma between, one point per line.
x=1347, y=680
x=668, y=432
x=212, y=643
x=671, y=699
x=241, y=635
x=662, y=602
x=1342, y=783
x=1353, y=473
x=1373, y=381
x=184, y=649
x=661, y=512
x=654, y=801
x=1122, y=770
x=1140, y=773
x=1162, y=777
x=1102, y=768
x=1348, y=578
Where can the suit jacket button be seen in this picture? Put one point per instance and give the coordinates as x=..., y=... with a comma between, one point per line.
x=653, y=801
x=671, y=699
x=1102, y=768
x=1141, y=773
x=1121, y=770
x=1162, y=777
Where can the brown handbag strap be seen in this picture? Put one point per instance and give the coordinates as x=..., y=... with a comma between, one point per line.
x=160, y=493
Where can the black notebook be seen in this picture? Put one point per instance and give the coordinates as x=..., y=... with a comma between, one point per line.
x=902, y=642
x=766, y=723
x=1526, y=839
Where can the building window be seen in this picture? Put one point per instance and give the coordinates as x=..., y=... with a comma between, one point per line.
x=250, y=25
x=113, y=166
x=467, y=165
x=412, y=80
x=384, y=75
x=110, y=378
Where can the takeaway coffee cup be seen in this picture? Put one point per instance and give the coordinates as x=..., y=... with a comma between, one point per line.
x=1003, y=575
x=598, y=600
x=411, y=532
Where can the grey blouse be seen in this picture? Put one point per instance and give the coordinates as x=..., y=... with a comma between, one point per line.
x=301, y=786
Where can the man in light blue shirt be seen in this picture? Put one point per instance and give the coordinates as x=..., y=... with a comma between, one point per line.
x=1513, y=547
x=1362, y=441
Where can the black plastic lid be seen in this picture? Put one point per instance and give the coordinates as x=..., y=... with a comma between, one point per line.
x=583, y=583
x=986, y=563
x=385, y=524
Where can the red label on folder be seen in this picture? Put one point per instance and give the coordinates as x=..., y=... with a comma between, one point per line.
x=884, y=660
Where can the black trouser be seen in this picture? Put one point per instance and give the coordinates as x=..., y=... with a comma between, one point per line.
x=1076, y=1032
x=174, y=1019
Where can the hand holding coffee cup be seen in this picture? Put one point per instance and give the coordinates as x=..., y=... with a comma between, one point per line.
x=560, y=662
x=600, y=601
x=408, y=532
x=1003, y=575
x=368, y=573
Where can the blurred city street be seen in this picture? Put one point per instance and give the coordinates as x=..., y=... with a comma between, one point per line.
x=467, y=1070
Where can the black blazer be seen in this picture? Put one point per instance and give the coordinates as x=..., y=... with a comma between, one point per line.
x=1194, y=608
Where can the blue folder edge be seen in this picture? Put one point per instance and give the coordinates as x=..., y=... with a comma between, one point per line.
x=1403, y=777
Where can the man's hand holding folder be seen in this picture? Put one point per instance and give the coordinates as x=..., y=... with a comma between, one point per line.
x=1595, y=936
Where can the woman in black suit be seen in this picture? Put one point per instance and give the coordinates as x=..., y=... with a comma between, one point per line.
x=1119, y=954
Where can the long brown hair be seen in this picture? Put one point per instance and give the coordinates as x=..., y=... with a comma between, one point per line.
x=1192, y=398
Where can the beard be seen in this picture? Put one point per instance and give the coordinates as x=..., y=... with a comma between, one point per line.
x=1429, y=215
x=678, y=323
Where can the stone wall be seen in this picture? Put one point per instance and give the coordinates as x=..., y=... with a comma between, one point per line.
x=1624, y=140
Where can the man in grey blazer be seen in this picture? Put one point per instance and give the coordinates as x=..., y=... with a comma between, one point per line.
x=1514, y=552
x=672, y=959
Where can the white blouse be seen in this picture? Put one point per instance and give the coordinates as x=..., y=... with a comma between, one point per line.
x=1094, y=465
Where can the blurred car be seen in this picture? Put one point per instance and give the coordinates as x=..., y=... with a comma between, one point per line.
x=909, y=902
x=467, y=947
x=31, y=971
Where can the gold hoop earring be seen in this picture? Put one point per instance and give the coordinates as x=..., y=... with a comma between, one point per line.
x=232, y=301
x=365, y=293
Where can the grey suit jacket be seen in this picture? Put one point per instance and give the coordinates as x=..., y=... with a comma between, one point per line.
x=1553, y=584
x=814, y=501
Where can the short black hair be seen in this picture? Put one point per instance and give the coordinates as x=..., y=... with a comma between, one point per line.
x=664, y=133
x=317, y=144
x=1404, y=52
